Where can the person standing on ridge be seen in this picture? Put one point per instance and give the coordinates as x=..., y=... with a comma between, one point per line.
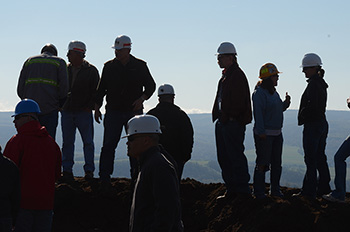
x=338, y=195
x=177, y=130
x=77, y=110
x=156, y=204
x=232, y=112
x=312, y=115
x=38, y=158
x=44, y=79
x=126, y=82
x=268, y=111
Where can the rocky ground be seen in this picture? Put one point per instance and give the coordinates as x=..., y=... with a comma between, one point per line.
x=80, y=207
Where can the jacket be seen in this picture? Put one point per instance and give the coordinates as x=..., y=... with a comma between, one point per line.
x=44, y=79
x=268, y=110
x=10, y=188
x=39, y=160
x=313, y=101
x=177, y=130
x=232, y=101
x=122, y=85
x=82, y=89
x=156, y=202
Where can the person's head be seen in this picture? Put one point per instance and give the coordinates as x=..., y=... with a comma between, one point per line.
x=166, y=93
x=269, y=73
x=49, y=48
x=122, y=46
x=312, y=65
x=26, y=110
x=226, y=55
x=76, y=52
x=142, y=133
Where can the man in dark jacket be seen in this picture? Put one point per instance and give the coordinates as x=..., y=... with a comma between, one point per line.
x=312, y=115
x=127, y=83
x=232, y=111
x=156, y=200
x=177, y=130
x=9, y=194
x=38, y=158
x=77, y=110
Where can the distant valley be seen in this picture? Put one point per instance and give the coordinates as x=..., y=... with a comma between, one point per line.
x=203, y=165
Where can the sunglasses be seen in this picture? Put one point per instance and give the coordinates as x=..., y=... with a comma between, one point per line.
x=133, y=137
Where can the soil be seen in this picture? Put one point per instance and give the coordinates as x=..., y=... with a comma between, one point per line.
x=79, y=206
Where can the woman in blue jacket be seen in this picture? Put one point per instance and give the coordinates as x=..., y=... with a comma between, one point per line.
x=268, y=116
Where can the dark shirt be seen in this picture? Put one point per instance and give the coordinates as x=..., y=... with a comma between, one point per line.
x=177, y=130
x=232, y=100
x=156, y=203
x=313, y=101
x=122, y=85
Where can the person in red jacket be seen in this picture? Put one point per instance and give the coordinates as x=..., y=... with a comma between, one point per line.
x=38, y=158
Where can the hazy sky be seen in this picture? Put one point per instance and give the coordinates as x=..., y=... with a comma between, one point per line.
x=179, y=39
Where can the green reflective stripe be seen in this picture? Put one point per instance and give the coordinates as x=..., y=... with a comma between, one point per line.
x=43, y=61
x=42, y=81
x=265, y=70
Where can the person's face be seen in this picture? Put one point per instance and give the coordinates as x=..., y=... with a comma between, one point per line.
x=20, y=120
x=274, y=79
x=225, y=61
x=122, y=54
x=136, y=145
x=310, y=71
x=74, y=57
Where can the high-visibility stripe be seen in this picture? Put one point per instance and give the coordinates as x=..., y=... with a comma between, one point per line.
x=128, y=44
x=43, y=61
x=79, y=50
x=41, y=81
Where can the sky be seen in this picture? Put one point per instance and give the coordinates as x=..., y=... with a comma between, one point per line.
x=179, y=40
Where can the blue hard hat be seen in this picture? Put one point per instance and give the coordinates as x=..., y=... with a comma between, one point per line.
x=26, y=106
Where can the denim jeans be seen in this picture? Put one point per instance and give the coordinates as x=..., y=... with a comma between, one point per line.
x=5, y=224
x=314, y=143
x=340, y=169
x=50, y=121
x=113, y=123
x=34, y=220
x=70, y=122
x=231, y=157
x=268, y=157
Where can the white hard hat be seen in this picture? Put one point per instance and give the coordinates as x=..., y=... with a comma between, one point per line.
x=165, y=89
x=143, y=124
x=226, y=48
x=122, y=41
x=311, y=60
x=77, y=46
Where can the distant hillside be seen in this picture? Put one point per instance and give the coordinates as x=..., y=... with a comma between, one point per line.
x=203, y=165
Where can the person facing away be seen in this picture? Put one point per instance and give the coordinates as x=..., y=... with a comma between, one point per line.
x=312, y=116
x=10, y=193
x=156, y=202
x=232, y=111
x=268, y=111
x=77, y=110
x=126, y=82
x=338, y=194
x=177, y=130
x=38, y=158
x=43, y=78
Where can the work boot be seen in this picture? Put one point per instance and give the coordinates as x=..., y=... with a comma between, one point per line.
x=89, y=175
x=67, y=177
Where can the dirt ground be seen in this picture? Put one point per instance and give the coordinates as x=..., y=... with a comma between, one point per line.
x=80, y=207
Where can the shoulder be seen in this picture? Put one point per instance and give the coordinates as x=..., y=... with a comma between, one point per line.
x=138, y=61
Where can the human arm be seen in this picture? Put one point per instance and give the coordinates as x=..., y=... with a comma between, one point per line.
x=259, y=107
x=286, y=102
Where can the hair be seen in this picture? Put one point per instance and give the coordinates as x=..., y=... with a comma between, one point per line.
x=267, y=84
x=50, y=48
x=166, y=97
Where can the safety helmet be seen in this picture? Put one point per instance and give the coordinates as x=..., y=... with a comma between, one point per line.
x=122, y=41
x=143, y=124
x=268, y=70
x=311, y=60
x=77, y=46
x=50, y=48
x=165, y=89
x=226, y=48
x=26, y=106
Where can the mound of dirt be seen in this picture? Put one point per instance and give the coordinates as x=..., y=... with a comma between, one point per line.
x=79, y=206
